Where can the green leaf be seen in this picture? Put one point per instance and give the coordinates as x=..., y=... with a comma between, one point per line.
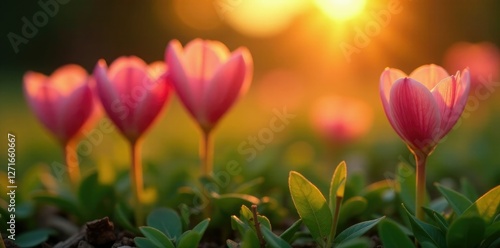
x=250, y=239
x=355, y=243
x=495, y=244
x=25, y=210
x=263, y=220
x=492, y=233
x=355, y=185
x=466, y=232
x=246, y=216
x=379, y=197
x=406, y=182
x=156, y=237
x=122, y=219
x=352, y=207
x=65, y=204
x=311, y=206
x=244, y=188
x=33, y=238
x=289, y=233
x=237, y=224
x=356, y=230
x=272, y=239
x=337, y=187
x=437, y=218
x=185, y=214
x=202, y=226
x=468, y=190
x=439, y=204
x=91, y=194
x=144, y=243
x=167, y=221
x=392, y=236
x=230, y=203
x=487, y=206
x=426, y=234
x=189, y=239
x=457, y=201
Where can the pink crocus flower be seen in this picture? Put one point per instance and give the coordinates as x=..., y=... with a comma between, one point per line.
x=63, y=101
x=341, y=120
x=132, y=93
x=208, y=78
x=424, y=106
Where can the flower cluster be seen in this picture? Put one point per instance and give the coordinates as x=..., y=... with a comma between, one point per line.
x=206, y=76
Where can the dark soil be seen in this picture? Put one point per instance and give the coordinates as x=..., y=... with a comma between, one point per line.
x=101, y=233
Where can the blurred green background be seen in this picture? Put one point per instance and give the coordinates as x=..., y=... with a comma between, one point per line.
x=298, y=55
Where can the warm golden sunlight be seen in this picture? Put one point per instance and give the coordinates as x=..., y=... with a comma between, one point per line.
x=250, y=123
x=341, y=9
x=261, y=18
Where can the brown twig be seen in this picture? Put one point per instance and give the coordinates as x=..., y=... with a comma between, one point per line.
x=257, y=227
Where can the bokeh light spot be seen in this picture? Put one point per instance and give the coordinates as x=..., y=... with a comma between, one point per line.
x=262, y=18
x=198, y=14
x=341, y=9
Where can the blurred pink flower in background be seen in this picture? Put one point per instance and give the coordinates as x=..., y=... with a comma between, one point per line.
x=423, y=107
x=341, y=119
x=63, y=101
x=208, y=78
x=270, y=93
x=483, y=60
x=132, y=92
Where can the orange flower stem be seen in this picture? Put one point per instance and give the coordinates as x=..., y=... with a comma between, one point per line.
x=206, y=153
x=420, y=160
x=137, y=181
x=72, y=166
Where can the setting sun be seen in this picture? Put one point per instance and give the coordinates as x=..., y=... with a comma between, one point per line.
x=341, y=9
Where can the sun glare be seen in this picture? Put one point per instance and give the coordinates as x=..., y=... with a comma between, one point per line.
x=341, y=9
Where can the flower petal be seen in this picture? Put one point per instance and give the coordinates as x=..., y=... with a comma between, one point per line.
x=127, y=73
x=451, y=96
x=465, y=82
x=42, y=99
x=178, y=78
x=387, y=79
x=110, y=99
x=429, y=75
x=75, y=110
x=231, y=80
x=62, y=102
x=156, y=94
x=67, y=78
x=203, y=58
x=415, y=114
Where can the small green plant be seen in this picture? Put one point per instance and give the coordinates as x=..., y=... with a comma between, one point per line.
x=468, y=225
x=165, y=230
x=256, y=231
x=92, y=199
x=321, y=217
x=457, y=219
